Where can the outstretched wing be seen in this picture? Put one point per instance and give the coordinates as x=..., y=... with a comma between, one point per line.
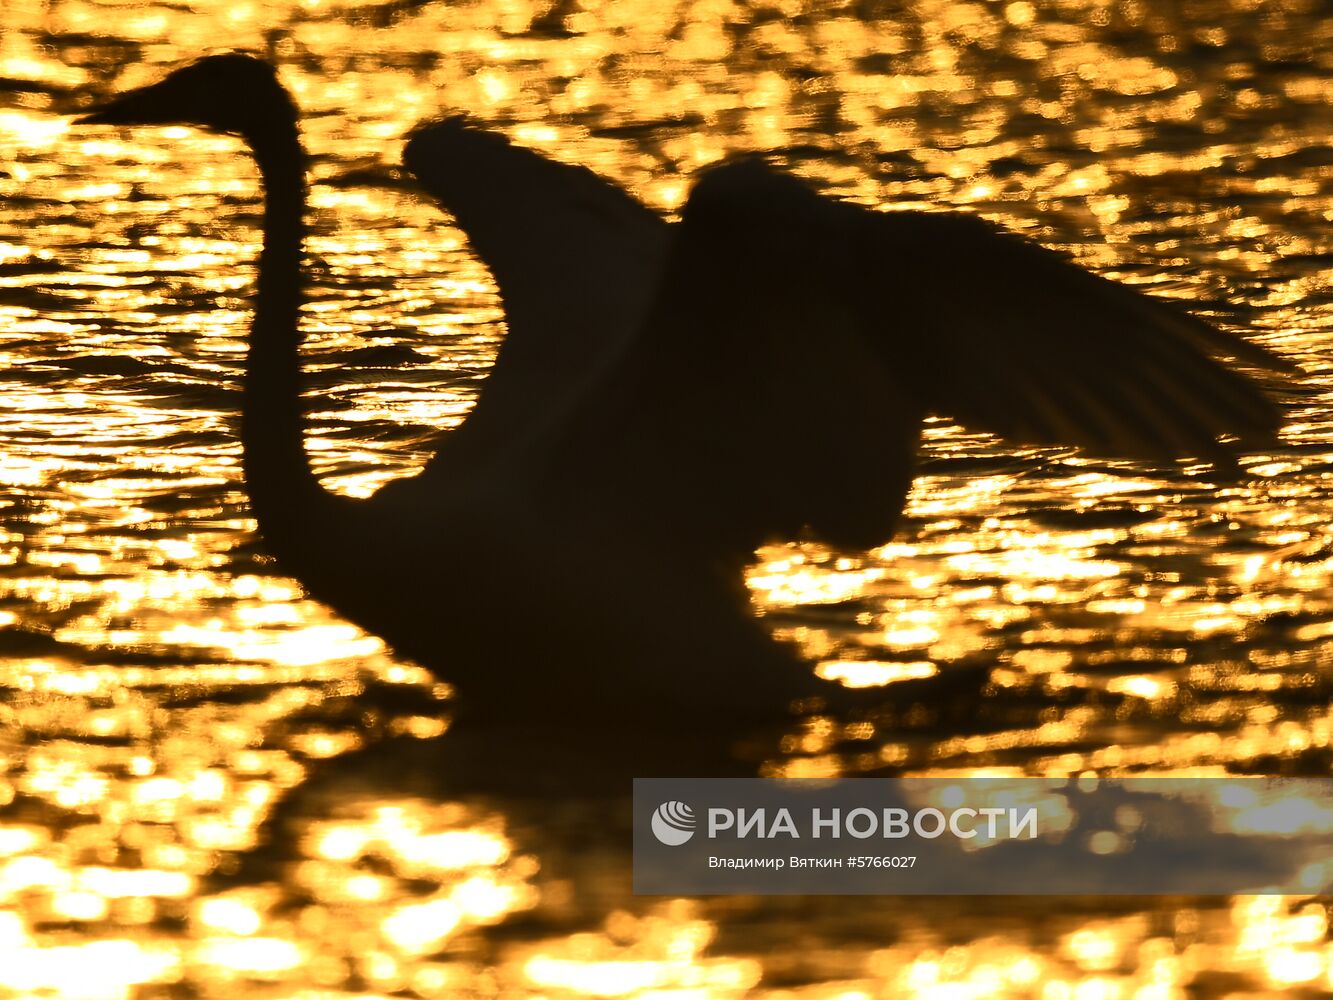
x=576, y=260
x=1013, y=338
x=797, y=342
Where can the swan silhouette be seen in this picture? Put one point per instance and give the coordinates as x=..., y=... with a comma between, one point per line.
x=669, y=397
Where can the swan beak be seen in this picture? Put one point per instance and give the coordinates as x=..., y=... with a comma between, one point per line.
x=146, y=106
x=114, y=113
x=97, y=117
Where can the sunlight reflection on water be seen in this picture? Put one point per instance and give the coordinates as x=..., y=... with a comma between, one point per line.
x=165, y=691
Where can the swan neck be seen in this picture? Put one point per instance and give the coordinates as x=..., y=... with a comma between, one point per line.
x=281, y=483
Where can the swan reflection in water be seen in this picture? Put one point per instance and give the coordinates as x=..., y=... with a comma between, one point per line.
x=656, y=384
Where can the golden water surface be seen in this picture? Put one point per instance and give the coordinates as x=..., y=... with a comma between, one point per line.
x=1040, y=614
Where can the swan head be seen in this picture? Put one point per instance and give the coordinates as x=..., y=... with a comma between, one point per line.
x=237, y=94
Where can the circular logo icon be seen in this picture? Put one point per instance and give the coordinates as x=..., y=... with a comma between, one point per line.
x=673, y=823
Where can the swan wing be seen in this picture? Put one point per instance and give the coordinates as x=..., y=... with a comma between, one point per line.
x=797, y=342
x=1011, y=337
x=575, y=257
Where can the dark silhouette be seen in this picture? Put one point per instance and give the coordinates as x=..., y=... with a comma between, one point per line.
x=668, y=398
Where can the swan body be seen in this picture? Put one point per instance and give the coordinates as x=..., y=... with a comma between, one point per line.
x=572, y=555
